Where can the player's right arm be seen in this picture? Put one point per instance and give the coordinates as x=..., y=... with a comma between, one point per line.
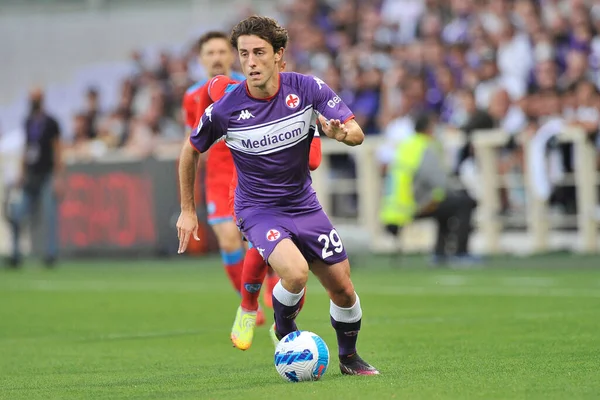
x=189, y=155
x=187, y=224
x=211, y=128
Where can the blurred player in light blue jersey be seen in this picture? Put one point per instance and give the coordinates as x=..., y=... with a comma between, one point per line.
x=266, y=123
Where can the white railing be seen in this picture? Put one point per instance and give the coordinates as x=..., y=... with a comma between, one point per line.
x=7, y=167
x=489, y=222
x=539, y=224
x=4, y=232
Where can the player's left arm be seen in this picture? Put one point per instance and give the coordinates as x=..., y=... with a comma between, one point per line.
x=336, y=118
x=349, y=133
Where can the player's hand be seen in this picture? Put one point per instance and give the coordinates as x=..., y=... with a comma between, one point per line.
x=187, y=225
x=334, y=128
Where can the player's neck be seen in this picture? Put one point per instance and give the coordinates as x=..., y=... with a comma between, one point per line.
x=268, y=90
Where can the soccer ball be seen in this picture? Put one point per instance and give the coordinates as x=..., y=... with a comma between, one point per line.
x=301, y=356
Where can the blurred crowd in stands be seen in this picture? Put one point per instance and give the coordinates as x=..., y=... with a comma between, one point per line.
x=477, y=64
x=148, y=111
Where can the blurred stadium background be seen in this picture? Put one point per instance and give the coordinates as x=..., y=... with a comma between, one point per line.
x=114, y=73
x=495, y=71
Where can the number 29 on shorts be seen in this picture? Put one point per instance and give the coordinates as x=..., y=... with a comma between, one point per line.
x=332, y=241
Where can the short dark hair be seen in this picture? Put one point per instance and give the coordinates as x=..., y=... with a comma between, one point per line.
x=209, y=36
x=92, y=92
x=264, y=27
x=423, y=121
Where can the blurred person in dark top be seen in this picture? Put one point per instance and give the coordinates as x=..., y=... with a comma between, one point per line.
x=446, y=86
x=41, y=181
x=457, y=61
x=577, y=68
x=126, y=98
x=488, y=78
x=414, y=95
x=114, y=130
x=178, y=84
x=78, y=148
x=544, y=77
x=587, y=114
x=581, y=109
x=471, y=118
x=162, y=71
x=434, y=58
x=92, y=113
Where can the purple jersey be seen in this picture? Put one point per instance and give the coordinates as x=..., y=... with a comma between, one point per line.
x=270, y=140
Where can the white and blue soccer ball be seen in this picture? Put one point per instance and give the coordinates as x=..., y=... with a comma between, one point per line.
x=301, y=356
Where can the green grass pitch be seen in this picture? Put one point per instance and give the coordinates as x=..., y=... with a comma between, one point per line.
x=519, y=329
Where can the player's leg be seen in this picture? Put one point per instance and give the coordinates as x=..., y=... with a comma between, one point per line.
x=232, y=249
x=345, y=314
x=253, y=270
x=253, y=276
x=270, y=235
x=266, y=232
x=270, y=282
x=292, y=268
x=329, y=262
x=248, y=314
x=225, y=229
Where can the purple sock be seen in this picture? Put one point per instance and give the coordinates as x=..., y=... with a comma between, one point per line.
x=346, y=322
x=286, y=306
x=347, y=335
x=285, y=317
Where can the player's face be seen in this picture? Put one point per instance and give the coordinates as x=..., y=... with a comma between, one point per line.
x=260, y=63
x=216, y=57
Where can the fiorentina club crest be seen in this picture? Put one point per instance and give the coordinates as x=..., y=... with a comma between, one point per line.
x=272, y=235
x=292, y=100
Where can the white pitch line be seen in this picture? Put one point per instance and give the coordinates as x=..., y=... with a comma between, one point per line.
x=529, y=281
x=199, y=287
x=105, y=286
x=552, y=315
x=450, y=280
x=146, y=335
x=110, y=336
x=483, y=291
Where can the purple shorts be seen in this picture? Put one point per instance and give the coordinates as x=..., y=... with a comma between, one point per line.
x=312, y=232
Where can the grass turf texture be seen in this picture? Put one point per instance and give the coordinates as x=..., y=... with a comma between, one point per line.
x=520, y=329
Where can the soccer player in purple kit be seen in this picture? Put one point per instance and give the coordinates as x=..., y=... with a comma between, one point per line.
x=266, y=123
